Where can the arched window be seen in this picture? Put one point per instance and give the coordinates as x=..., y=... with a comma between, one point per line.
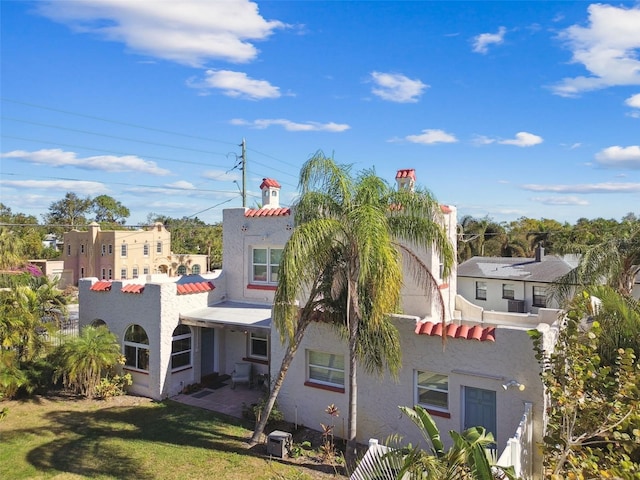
x=136, y=348
x=181, y=347
x=195, y=270
x=182, y=270
x=98, y=323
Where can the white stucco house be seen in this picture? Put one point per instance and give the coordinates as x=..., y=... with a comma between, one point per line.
x=173, y=333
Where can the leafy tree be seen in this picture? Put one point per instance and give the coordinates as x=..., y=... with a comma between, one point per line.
x=69, y=212
x=108, y=210
x=593, y=426
x=353, y=234
x=479, y=237
x=614, y=261
x=11, y=249
x=83, y=359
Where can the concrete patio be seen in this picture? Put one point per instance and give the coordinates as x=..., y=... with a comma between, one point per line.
x=223, y=400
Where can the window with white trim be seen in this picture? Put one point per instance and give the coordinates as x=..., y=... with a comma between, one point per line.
x=110, y=249
x=145, y=271
x=159, y=247
x=104, y=249
x=136, y=348
x=481, y=290
x=123, y=273
x=325, y=368
x=432, y=390
x=145, y=250
x=181, y=347
x=508, y=291
x=258, y=345
x=265, y=264
x=123, y=250
x=110, y=274
x=104, y=274
x=134, y=272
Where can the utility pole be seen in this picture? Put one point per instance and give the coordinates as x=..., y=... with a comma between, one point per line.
x=244, y=172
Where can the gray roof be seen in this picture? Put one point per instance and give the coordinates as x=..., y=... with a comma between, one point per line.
x=232, y=314
x=514, y=268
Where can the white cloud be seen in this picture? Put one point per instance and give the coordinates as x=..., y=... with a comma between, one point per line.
x=80, y=187
x=565, y=200
x=235, y=84
x=607, y=48
x=431, y=136
x=189, y=32
x=482, y=140
x=396, y=87
x=290, y=126
x=221, y=175
x=108, y=163
x=619, y=157
x=523, y=139
x=481, y=42
x=633, y=101
x=182, y=185
x=606, y=187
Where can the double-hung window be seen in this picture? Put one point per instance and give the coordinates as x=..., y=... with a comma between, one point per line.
x=265, y=264
x=145, y=250
x=432, y=390
x=481, y=290
x=539, y=297
x=258, y=345
x=159, y=247
x=136, y=348
x=123, y=250
x=181, y=347
x=325, y=368
x=123, y=273
x=508, y=291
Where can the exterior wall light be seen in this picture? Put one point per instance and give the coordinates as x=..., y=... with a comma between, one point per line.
x=513, y=384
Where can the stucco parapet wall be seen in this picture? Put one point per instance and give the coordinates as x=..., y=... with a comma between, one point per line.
x=474, y=313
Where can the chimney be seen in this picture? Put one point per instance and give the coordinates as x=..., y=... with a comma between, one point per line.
x=270, y=193
x=539, y=253
x=406, y=179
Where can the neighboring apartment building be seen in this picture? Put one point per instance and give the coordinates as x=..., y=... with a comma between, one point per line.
x=173, y=333
x=124, y=254
x=512, y=284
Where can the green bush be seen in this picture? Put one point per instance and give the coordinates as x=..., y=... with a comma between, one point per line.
x=113, y=386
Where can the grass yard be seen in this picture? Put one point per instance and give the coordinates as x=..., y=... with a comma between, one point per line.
x=134, y=438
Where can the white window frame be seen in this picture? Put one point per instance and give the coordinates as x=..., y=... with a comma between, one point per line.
x=431, y=387
x=535, y=295
x=508, y=287
x=104, y=249
x=123, y=250
x=138, y=347
x=134, y=272
x=271, y=267
x=104, y=274
x=145, y=250
x=314, y=367
x=261, y=338
x=159, y=247
x=110, y=249
x=123, y=273
x=145, y=270
x=110, y=272
x=176, y=342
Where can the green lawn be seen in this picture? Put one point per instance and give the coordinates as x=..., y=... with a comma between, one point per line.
x=132, y=438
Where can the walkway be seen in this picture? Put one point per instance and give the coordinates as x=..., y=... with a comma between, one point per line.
x=223, y=399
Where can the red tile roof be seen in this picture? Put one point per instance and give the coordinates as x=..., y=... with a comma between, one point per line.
x=132, y=288
x=269, y=182
x=101, y=286
x=445, y=209
x=267, y=212
x=487, y=334
x=409, y=172
x=194, y=287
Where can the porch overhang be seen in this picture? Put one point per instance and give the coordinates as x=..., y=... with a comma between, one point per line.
x=230, y=315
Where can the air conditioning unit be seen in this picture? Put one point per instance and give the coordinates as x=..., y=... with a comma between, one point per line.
x=515, y=306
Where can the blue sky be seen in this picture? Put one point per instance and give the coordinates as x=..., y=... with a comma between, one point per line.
x=505, y=109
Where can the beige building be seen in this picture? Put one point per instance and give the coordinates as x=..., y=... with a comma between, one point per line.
x=125, y=254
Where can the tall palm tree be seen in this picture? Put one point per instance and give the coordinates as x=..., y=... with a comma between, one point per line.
x=359, y=232
x=614, y=261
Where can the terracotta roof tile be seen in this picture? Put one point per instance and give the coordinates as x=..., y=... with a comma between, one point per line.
x=409, y=172
x=269, y=182
x=132, y=288
x=445, y=208
x=194, y=287
x=101, y=286
x=486, y=334
x=267, y=212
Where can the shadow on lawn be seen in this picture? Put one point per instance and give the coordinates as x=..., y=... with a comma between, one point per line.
x=84, y=443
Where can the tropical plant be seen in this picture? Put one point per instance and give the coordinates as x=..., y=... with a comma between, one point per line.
x=468, y=458
x=593, y=416
x=351, y=237
x=614, y=261
x=83, y=360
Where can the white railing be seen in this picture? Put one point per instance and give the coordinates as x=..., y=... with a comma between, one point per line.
x=376, y=464
x=519, y=450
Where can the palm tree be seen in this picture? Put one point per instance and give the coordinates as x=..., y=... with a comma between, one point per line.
x=83, y=359
x=353, y=236
x=466, y=459
x=614, y=261
x=11, y=249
